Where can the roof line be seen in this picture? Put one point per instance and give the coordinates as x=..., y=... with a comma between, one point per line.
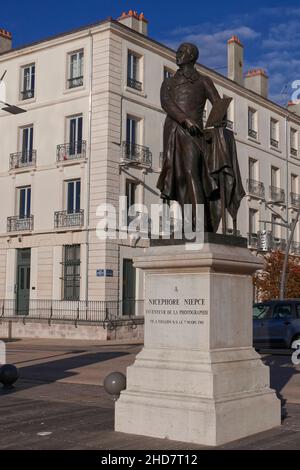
x=109, y=19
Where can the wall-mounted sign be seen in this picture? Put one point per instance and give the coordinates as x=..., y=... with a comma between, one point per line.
x=104, y=273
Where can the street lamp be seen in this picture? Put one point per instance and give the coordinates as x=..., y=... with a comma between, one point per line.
x=10, y=108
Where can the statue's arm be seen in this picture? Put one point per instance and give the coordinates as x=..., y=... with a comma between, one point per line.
x=212, y=93
x=169, y=105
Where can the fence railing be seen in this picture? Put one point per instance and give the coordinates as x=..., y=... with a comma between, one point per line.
x=277, y=195
x=91, y=311
x=71, y=151
x=26, y=158
x=135, y=153
x=68, y=219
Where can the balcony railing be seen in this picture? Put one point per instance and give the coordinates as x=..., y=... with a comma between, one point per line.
x=277, y=195
x=266, y=241
x=133, y=83
x=19, y=224
x=252, y=133
x=27, y=94
x=26, y=158
x=71, y=151
x=253, y=240
x=256, y=188
x=295, y=199
x=68, y=219
x=294, y=152
x=274, y=143
x=295, y=248
x=229, y=124
x=278, y=244
x=75, y=81
x=136, y=154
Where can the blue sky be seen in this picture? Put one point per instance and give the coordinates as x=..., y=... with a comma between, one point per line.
x=269, y=30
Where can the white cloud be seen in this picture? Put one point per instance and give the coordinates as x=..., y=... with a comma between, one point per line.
x=277, y=50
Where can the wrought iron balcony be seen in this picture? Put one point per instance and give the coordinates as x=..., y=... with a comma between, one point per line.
x=137, y=154
x=26, y=158
x=277, y=195
x=19, y=224
x=229, y=124
x=75, y=81
x=294, y=152
x=68, y=219
x=295, y=199
x=295, y=248
x=256, y=188
x=71, y=151
x=27, y=94
x=253, y=240
x=274, y=143
x=133, y=83
x=278, y=244
x=252, y=133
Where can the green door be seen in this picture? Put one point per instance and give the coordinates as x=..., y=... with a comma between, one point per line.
x=23, y=281
x=129, y=284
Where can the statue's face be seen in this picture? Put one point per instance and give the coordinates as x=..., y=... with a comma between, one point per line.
x=184, y=55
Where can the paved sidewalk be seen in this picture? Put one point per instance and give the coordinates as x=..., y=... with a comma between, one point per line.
x=59, y=401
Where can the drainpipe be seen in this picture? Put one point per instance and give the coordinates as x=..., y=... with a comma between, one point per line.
x=88, y=176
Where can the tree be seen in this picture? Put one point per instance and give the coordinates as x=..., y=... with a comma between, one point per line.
x=267, y=281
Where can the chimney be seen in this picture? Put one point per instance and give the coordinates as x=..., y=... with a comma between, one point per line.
x=257, y=80
x=235, y=58
x=5, y=40
x=134, y=21
x=294, y=107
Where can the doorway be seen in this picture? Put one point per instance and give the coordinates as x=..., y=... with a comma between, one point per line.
x=23, y=281
x=129, y=287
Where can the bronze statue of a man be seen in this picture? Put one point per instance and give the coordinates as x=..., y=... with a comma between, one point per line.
x=192, y=169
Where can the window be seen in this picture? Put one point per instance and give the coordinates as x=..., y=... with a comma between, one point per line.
x=252, y=123
x=252, y=169
x=73, y=189
x=275, y=227
x=253, y=219
x=26, y=144
x=71, y=272
x=282, y=312
x=75, y=136
x=131, y=188
x=75, y=78
x=294, y=184
x=28, y=82
x=274, y=133
x=261, y=312
x=275, y=177
x=24, y=202
x=133, y=71
x=294, y=142
x=168, y=73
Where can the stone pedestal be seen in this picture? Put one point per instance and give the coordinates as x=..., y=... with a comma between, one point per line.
x=198, y=378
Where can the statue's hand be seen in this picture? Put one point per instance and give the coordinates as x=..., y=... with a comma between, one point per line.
x=192, y=127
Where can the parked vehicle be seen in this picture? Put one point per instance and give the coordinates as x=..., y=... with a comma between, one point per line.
x=276, y=323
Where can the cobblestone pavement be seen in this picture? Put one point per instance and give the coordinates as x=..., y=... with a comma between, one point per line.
x=59, y=401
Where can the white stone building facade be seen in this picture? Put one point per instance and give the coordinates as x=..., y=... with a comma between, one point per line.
x=93, y=131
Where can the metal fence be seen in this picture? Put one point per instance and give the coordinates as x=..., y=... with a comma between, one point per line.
x=92, y=311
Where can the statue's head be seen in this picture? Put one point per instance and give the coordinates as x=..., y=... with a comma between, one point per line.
x=187, y=54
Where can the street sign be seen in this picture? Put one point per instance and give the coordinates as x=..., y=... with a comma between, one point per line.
x=104, y=273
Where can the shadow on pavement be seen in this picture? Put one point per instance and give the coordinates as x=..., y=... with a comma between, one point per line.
x=52, y=371
x=281, y=371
